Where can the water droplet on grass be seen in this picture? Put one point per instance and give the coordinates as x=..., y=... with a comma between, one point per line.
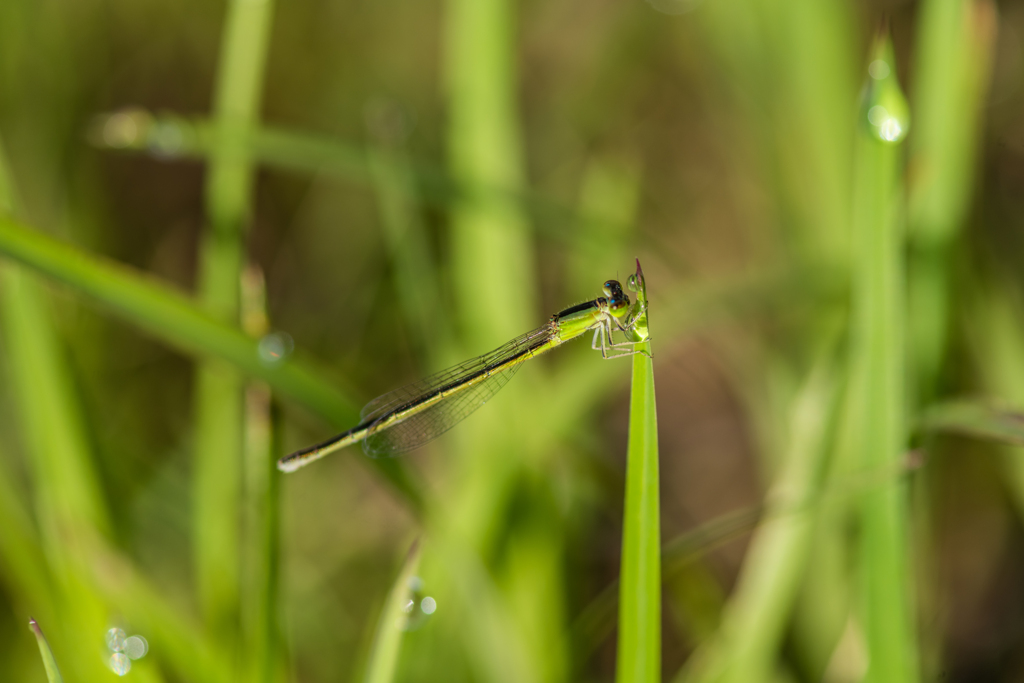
x=115, y=640
x=275, y=347
x=879, y=69
x=136, y=647
x=166, y=139
x=885, y=110
x=120, y=664
x=417, y=607
x=428, y=605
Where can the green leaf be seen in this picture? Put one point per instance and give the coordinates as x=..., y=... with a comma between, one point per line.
x=639, y=647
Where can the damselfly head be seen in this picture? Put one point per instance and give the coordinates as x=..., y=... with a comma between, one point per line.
x=612, y=289
x=619, y=305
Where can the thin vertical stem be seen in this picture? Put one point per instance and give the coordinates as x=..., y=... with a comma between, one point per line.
x=490, y=237
x=219, y=400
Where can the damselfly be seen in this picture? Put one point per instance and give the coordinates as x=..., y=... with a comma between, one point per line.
x=407, y=418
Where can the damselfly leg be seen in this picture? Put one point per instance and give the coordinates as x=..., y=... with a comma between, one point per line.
x=605, y=342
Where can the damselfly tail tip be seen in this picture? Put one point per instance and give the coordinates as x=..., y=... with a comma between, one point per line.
x=289, y=463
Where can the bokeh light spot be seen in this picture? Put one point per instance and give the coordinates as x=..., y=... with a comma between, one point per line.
x=120, y=664
x=275, y=347
x=136, y=647
x=877, y=115
x=428, y=605
x=879, y=69
x=115, y=640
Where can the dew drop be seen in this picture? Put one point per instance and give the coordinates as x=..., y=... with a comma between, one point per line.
x=879, y=69
x=120, y=130
x=877, y=115
x=891, y=130
x=166, y=139
x=418, y=607
x=885, y=110
x=275, y=347
x=120, y=664
x=136, y=647
x=115, y=640
x=428, y=605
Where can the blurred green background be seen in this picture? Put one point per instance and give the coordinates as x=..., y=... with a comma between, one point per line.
x=354, y=194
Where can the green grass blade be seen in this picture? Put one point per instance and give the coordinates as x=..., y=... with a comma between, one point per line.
x=639, y=646
x=169, y=136
x=491, y=250
x=173, y=317
x=822, y=612
x=53, y=424
x=216, y=497
x=953, y=64
x=219, y=401
x=260, y=504
x=23, y=561
x=65, y=479
x=877, y=370
x=52, y=672
x=69, y=501
x=997, y=338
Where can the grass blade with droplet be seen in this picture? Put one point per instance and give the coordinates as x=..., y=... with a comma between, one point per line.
x=392, y=624
x=877, y=370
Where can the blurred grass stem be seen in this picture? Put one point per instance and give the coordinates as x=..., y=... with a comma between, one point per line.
x=877, y=374
x=69, y=502
x=219, y=407
x=954, y=66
